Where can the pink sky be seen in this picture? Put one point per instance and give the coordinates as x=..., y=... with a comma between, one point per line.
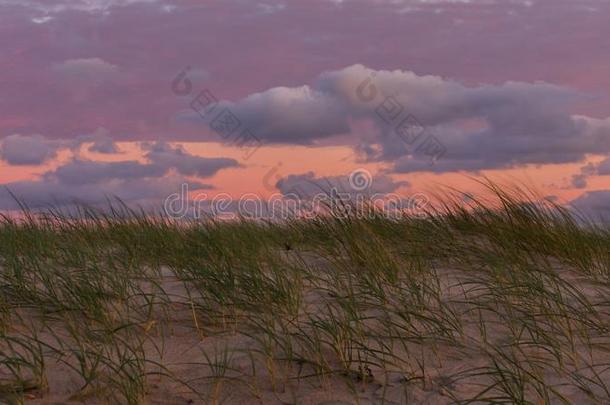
x=514, y=90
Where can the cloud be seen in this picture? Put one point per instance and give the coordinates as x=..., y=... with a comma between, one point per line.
x=292, y=115
x=480, y=127
x=603, y=167
x=595, y=204
x=91, y=181
x=307, y=185
x=27, y=149
x=48, y=193
x=161, y=159
x=288, y=115
x=580, y=179
x=477, y=127
x=86, y=68
x=164, y=155
x=36, y=149
x=79, y=172
x=100, y=140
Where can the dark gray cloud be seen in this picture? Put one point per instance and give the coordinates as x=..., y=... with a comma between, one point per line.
x=307, y=185
x=79, y=172
x=41, y=194
x=161, y=159
x=36, y=149
x=164, y=155
x=594, y=204
x=100, y=140
x=603, y=168
x=91, y=181
x=580, y=180
x=479, y=127
x=27, y=149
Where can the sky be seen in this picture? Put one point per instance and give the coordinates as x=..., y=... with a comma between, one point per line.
x=137, y=98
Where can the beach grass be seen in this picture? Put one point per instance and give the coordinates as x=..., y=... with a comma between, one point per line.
x=503, y=299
